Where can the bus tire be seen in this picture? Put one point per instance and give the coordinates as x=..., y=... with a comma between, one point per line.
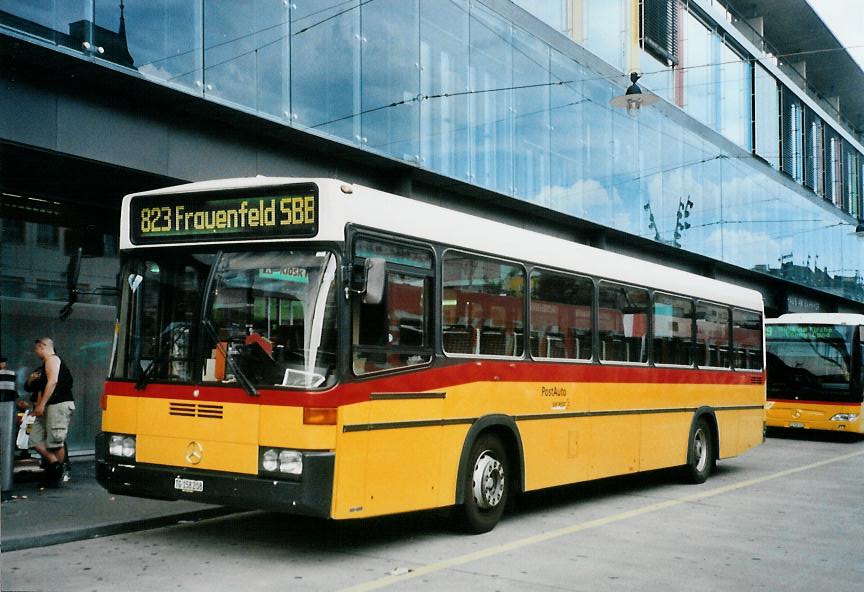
x=487, y=484
x=701, y=458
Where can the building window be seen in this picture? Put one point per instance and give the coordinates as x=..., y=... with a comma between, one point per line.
x=792, y=153
x=47, y=236
x=658, y=33
x=767, y=116
x=814, y=153
x=13, y=231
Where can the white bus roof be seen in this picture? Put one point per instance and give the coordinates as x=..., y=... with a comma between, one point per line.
x=817, y=318
x=376, y=209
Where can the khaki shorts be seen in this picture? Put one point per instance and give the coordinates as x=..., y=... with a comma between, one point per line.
x=52, y=427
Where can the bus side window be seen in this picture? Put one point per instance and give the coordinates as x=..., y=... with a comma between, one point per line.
x=482, y=306
x=673, y=330
x=393, y=333
x=712, y=336
x=561, y=326
x=747, y=339
x=623, y=317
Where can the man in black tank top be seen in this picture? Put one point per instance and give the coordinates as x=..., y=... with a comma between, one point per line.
x=54, y=405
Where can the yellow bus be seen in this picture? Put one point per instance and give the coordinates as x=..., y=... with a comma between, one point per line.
x=815, y=372
x=322, y=348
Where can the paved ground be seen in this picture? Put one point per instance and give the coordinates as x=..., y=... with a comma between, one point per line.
x=80, y=509
x=785, y=516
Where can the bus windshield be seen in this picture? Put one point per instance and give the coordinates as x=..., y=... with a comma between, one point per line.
x=260, y=319
x=810, y=362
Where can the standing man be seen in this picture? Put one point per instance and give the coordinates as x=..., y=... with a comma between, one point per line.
x=53, y=410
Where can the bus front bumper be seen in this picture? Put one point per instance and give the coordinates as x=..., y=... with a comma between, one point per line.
x=309, y=496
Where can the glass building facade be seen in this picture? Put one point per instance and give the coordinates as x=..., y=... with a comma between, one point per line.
x=734, y=164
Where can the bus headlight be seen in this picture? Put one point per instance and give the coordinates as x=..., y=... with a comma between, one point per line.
x=122, y=446
x=291, y=462
x=845, y=417
x=282, y=462
x=270, y=461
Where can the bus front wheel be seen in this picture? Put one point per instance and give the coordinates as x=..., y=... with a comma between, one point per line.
x=486, y=485
x=700, y=453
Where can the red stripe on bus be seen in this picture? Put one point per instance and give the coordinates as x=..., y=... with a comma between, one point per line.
x=440, y=378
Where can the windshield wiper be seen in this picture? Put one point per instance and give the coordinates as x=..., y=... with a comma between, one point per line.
x=232, y=364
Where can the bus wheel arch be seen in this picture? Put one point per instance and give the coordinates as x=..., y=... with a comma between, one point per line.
x=703, y=446
x=491, y=469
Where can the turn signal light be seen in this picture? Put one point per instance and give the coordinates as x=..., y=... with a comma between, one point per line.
x=319, y=415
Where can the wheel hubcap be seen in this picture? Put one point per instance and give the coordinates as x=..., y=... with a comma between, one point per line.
x=700, y=450
x=488, y=481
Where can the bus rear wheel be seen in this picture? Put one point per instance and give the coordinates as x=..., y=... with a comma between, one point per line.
x=486, y=485
x=700, y=453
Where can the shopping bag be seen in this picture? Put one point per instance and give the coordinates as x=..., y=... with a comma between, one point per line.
x=23, y=440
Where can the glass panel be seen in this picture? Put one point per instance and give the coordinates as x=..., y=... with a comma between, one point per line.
x=444, y=58
x=159, y=38
x=673, y=330
x=747, y=339
x=35, y=255
x=561, y=316
x=814, y=152
x=390, y=82
x=623, y=323
x=299, y=350
x=811, y=362
x=482, y=306
x=852, y=183
x=792, y=162
x=393, y=253
x=161, y=307
x=735, y=97
x=698, y=75
x=491, y=101
x=606, y=30
x=551, y=12
x=767, y=117
x=530, y=118
x=392, y=334
x=712, y=335
x=325, y=67
x=567, y=148
x=64, y=22
x=246, y=53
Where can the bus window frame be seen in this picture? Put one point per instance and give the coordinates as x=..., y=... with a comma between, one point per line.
x=593, y=314
x=692, y=344
x=357, y=233
x=524, y=308
x=729, y=343
x=762, y=347
x=649, y=320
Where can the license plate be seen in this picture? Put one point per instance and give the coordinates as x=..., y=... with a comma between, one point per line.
x=188, y=485
x=796, y=424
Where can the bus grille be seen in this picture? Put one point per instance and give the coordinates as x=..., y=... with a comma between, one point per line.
x=756, y=380
x=195, y=410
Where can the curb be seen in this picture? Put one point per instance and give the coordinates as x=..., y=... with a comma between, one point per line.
x=67, y=536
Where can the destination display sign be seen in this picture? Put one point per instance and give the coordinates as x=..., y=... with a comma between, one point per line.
x=289, y=212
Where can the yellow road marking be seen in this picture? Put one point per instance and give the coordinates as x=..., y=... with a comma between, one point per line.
x=560, y=532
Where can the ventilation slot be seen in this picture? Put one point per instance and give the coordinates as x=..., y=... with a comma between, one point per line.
x=195, y=410
x=756, y=380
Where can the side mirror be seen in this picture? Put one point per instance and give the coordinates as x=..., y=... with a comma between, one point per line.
x=376, y=280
